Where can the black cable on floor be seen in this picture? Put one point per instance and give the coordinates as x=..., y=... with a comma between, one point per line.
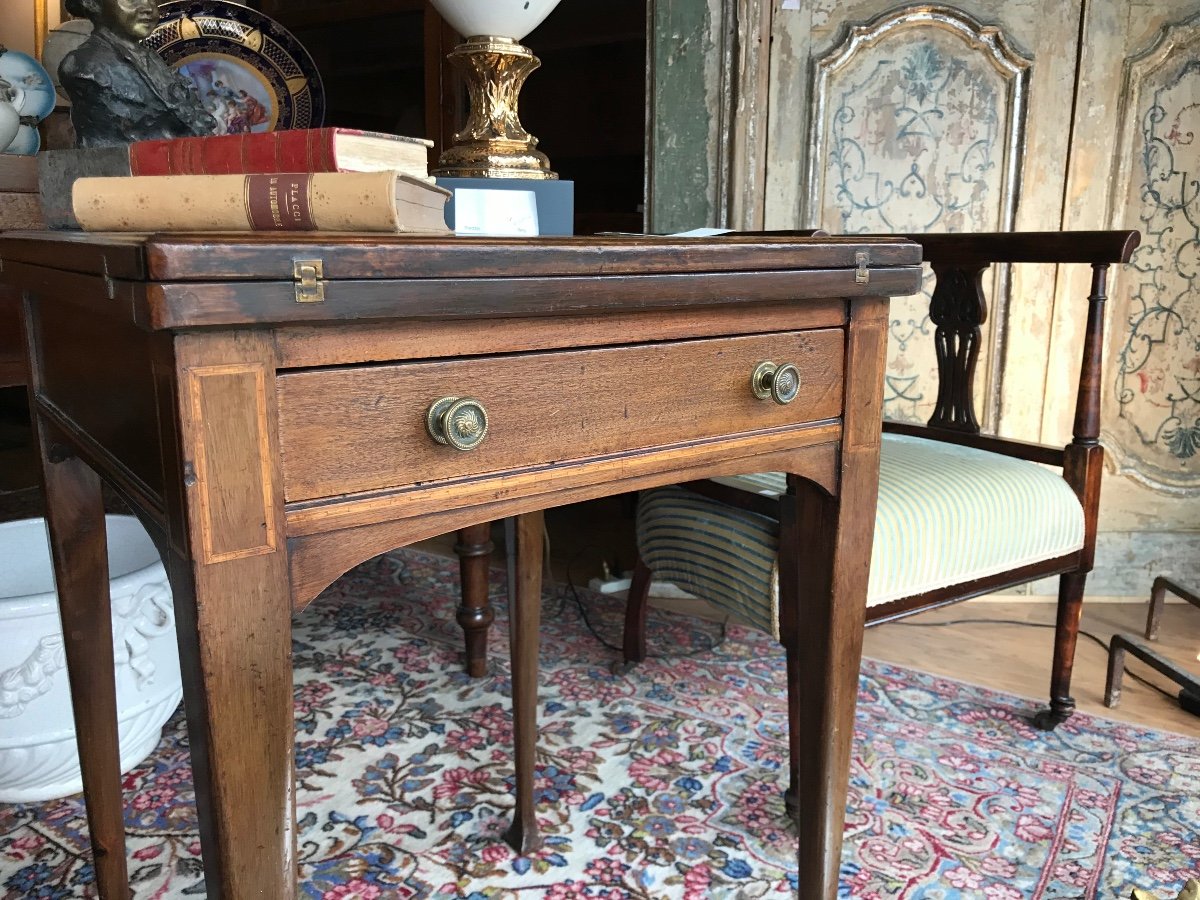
x=1087, y=634
x=712, y=645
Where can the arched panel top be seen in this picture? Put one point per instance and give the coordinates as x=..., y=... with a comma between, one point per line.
x=989, y=40
x=919, y=120
x=918, y=125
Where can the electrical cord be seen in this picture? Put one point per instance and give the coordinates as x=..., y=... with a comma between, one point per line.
x=569, y=591
x=1087, y=634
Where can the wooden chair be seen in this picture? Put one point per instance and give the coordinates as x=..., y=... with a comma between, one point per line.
x=960, y=513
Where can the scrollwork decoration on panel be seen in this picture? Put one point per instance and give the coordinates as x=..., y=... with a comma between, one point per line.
x=1152, y=421
x=918, y=126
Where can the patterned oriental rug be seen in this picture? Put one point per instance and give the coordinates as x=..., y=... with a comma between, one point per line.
x=666, y=783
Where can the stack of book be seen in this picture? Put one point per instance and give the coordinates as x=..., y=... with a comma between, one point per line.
x=319, y=179
x=20, y=206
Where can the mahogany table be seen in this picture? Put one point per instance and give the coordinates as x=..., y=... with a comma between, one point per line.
x=277, y=410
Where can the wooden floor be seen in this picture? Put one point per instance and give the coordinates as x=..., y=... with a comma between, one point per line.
x=1016, y=658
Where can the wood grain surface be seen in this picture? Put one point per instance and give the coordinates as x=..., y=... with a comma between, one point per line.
x=360, y=429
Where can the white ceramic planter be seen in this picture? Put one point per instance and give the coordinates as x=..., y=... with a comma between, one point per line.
x=38, y=757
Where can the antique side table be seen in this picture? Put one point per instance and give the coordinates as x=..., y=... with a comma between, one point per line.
x=278, y=410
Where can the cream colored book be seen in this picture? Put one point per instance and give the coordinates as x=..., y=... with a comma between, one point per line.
x=303, y=201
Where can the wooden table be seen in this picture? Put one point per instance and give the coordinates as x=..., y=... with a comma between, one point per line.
x=262, y=405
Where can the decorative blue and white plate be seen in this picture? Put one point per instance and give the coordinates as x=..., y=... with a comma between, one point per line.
x=33, y=91
x=251, y=72
x=26, y=143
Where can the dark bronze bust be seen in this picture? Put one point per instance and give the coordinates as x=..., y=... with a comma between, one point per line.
x=120, y=90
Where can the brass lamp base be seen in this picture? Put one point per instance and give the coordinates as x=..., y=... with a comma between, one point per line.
x=493, y=144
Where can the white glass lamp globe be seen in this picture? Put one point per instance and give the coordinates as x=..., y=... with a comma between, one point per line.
x=499, y=18
x=493, y=64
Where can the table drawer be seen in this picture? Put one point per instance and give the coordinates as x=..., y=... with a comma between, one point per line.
x=364, y=428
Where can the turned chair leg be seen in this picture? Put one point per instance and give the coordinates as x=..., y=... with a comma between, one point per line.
x=1066, y=633
x=636, y=607
x=475, y=613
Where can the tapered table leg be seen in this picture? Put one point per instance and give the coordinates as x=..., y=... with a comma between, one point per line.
x=524, y=538
x=233, y=609
x=823, y=609
x=823, y=658
x=235, y=657
x=75, y=513
x=475, y=615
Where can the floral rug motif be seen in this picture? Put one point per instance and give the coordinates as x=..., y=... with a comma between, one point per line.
x=665, y=783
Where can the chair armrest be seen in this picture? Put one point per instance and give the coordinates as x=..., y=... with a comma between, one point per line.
x=958, y=309
x=1096, y=247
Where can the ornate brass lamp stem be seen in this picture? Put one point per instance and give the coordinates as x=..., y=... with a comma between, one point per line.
x=493, y=144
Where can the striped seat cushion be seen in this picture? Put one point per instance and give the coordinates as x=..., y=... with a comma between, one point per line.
x=946, y=515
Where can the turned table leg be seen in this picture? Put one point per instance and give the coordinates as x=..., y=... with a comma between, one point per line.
x=524, y=539
x=475, y=615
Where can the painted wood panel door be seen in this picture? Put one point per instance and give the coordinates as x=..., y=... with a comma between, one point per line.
x=1135, y=155
x=930, y=118
x=982, y=116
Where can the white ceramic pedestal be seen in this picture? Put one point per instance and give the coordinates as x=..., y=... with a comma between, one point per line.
x=38, y=756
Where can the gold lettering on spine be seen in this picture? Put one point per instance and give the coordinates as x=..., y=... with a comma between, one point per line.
x=273, y=193
x=279, y=202
x=295, y=211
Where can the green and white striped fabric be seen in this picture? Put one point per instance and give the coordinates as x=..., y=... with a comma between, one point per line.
x=947, y=514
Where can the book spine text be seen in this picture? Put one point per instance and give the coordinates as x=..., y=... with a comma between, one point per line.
x=279, y=202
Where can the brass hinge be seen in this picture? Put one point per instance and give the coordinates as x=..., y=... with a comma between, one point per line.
x=309, y=286
x=862, y=275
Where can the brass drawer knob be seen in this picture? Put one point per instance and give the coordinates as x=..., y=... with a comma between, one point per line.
x=778, y=383
x=458, y=422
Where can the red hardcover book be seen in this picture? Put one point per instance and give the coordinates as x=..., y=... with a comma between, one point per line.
x=301, y=150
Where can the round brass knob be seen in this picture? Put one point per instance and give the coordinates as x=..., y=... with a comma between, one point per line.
x=778, y=383
x=458, y=422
